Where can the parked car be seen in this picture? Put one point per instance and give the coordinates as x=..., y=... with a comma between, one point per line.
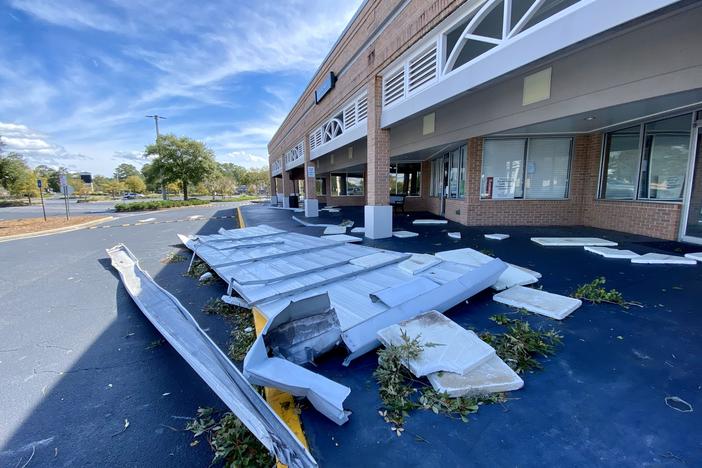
x=132, y=196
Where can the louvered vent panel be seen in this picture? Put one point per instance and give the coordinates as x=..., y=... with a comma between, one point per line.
x=394, y=87
x=422, y=69
x=350, y=116
x=362, y=108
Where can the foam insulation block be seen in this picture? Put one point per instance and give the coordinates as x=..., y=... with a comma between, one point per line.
x=694, y=255
x=358, y=230
x=454, y=235
x=608, y=252
x=490, y=377
x=539, y=302
x=572, y=241
x=451, y=348
x=662, y=259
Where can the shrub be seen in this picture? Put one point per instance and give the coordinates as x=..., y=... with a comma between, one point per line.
x=157, y=204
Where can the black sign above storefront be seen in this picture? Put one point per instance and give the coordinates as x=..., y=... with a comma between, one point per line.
x=324, y=88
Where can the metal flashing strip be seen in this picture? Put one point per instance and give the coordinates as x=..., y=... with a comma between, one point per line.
x=181, y=330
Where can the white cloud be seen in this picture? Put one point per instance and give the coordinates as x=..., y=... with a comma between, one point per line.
x=36, y=148
x=176, y=58
x=242, y=158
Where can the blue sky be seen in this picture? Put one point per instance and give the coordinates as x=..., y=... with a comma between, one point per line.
x=77, y=78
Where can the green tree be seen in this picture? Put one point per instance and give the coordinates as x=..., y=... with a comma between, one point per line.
x=24, y=185
x=125, y=170
x=181, y=159
x=12, y=167
x=135, y=184
x=239, y=174
x=113, y=187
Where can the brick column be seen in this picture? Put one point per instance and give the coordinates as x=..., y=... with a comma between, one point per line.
x=287, y=186
x=311, y=202
x=378, y=148
x=377, y=213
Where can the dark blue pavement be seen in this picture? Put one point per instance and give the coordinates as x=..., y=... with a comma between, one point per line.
x=600, y=401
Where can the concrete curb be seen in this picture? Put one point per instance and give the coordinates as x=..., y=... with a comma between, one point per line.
x=49, y=232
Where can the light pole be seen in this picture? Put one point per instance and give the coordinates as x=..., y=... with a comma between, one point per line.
x=164, y=194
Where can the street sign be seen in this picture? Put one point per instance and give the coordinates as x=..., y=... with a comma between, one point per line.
x=38, y=183
x=310, y=171
x=62, y=181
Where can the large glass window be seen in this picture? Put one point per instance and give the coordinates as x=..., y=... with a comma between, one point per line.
x=535, y=168
x=448, y=174
x=654, y=156
x=320, y=186
x=405, y=179
x=343, y=184
x=621, y=163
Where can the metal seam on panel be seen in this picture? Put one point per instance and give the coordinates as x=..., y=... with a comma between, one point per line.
x=282, y=403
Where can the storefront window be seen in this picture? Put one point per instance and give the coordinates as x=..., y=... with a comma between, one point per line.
x=655, y=157
x=343, y=184
x=535, y=168
x=405, y=179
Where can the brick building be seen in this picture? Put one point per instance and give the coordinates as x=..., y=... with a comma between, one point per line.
x=506, y=112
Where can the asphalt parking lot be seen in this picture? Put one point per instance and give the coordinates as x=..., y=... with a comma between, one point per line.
x=77, y=357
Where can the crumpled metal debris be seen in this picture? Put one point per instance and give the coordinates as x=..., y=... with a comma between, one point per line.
x=181, y=330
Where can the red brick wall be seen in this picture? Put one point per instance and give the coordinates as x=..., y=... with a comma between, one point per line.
x=412, y=23
x=582, y=207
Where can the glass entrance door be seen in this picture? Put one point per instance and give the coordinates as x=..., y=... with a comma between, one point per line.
x=692, y=210
x=444, y=183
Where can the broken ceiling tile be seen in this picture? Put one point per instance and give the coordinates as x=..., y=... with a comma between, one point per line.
x=695, y=256
x=358, y=230
x=572, y=241
x=540, y=302
x=512, y=276
x=662, y=259
x=404, y=234
x=429, y=221
x=335, y=230
x=497, y=236
x=492, y=376
x=342, y=238
x=418, y=263
x=608, y=252
x=454, y=235
x=447, y=346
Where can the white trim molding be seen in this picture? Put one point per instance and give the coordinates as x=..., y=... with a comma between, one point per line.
x=348, y=124
x=295, y=156
x=277, y=167
x=489, y=46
